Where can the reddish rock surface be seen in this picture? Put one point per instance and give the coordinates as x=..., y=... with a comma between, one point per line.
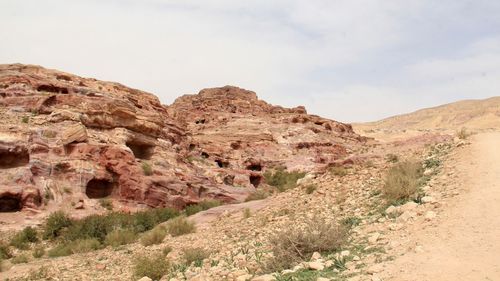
x=65, y=140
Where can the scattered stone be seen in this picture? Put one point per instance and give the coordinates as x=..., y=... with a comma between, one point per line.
x=145, y=278
x=322, y=279
x=345, y=253
x=315, y=256
x=314, y=265
x=266, y=277
x=428, y=199
x=430, y=215
x=376, y=268
x=374, y=237
x=391, y=210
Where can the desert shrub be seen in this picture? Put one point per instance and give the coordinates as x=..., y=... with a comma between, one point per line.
x=392, y=158
x=147, y=169
x=61, y=250
x=247, y=213
x=38, y=252
x=463, y=134
x=282, y=179
x=351, y=221
x=402, y=181
x=257, y=195
x=202, y=206
x=166, y=250
x=310, y=188
x=120, y=237
x=154, y=236
x=25, y=119
x=5, y=252
x=154, y=268
x=294, y=244
x=24, y=237
x=55, y=223
x=338, y=171
x=180, y=226
x=20, y=259
x=195, y=255
x=106, y=204
x=85, y=246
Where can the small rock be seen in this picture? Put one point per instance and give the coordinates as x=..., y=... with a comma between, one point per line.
x=410, y=206
x=322, y=279
x=314, y=265
x=345, y=253
x=145, y=278
x=419, y=249
x=244, y=277
x=329, y=263
x=430, y=215
x=376, y=278
x=373, y=238
x=356, y=258
x=428, y=199
x=100, y=266
x=315, y=256
x=391, y=210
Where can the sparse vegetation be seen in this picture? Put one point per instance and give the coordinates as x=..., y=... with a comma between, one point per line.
x=402, y=181
x=22, y=239
x=85, y=245
x=257, y=195
x=55, y=223
x=106, y=203
x=180, y=226
x=351, y=221
x=392, y=158
x=195, y=255
x=463, y=134
x=282, y=179
x=202, y=206
x=120, y=237
x=22, y=258
x=25, y=119
x=247, y=213
x=338, y=171
x=38, y=252
x=61, y=250
x=154, y=236
x=5, y=252
x=294, y=244
x=154, y=268
x=310, y=188
x=147, y=169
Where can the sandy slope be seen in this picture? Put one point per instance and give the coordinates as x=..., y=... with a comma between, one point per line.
x=465, y=245
x=472, y=114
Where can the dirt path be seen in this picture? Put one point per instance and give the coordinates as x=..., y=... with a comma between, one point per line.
x=204, y=218
x=465, y=243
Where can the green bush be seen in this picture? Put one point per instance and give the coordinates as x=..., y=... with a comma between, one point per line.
x=5, y=252
x=195, y=255
x=180, y=226
x=20, y=259
x=55, y=223
x=293, y=244
x=392, y=158
x=402, y=181
x=85, y=246
x=147, y=169
x=282, y=179
x=38, y=252
x=338, y=171
x=154, y=236
x=154, y=268
x=120, y=237
x=463, y=134
x=257, y=195
x=24, y=237
x=61, y=250
x=106, y=204
x=202, y=206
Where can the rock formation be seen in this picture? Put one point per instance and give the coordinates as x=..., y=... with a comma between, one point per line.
x=63, y=135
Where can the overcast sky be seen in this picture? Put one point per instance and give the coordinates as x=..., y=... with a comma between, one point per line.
x=346, y=60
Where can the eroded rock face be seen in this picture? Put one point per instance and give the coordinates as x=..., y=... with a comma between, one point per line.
x=62, y=134
x=64, y=138
x=237, y=137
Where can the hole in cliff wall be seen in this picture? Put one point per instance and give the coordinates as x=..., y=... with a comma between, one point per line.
x=222, y=163
x=205, y=155
x=99, y=188
x=255, y=180
x=235, y=145
x=52, y=89
x=200, y=121
x=13, y=159
x=229, y=180
x=141, y=150
x=10, y=203
x=254, y=167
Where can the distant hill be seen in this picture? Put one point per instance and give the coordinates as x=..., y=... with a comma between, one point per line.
x=471, y=114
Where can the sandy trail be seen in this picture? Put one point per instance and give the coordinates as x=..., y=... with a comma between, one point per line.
x=465, y=245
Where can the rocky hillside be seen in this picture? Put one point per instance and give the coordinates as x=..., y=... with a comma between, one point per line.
x=66, y=141
x=470, y=114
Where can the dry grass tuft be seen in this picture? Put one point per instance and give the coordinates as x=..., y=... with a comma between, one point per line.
x=402, y=181
x=180, y=226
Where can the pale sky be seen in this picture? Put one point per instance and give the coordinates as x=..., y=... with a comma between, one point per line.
x=346, y=60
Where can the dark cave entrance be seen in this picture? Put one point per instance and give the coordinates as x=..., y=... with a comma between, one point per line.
x=255, y=180
x=141, y=150
x=13, y=159
x=254, y=167
x=10, y=203
x=99, y=188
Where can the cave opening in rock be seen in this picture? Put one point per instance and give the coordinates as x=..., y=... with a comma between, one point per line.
x=254, y=167
x=52, y=89
x=255, y=180
x=13, y=159
x=204, y=155
x=99, y=188
x=141, y=150
x=10, y=203
x=222, y=163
